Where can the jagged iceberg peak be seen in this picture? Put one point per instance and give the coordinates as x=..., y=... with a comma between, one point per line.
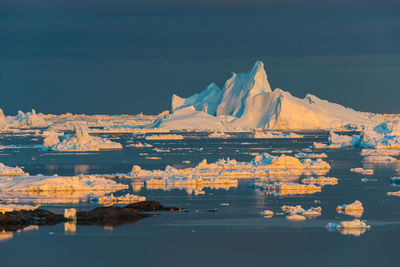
x=206, y=101
x=241, y=87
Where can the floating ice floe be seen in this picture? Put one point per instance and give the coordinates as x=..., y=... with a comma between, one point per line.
x=395, y=180
x=362, y=171
x=354, y=209
x=261, y=165
x=219, y=135
x=16, y=207
x=268, y=135
x=321, y=181
x=70, y=214
x=55, y=183
x=267, y=213
x=380, y=159
x=82, y=141
x=354, y=227
x=10, y=171
x=283, y=189
x=380, y=152
x=297, y=213
x=366, y=180
x=380, y=138
x=311, y=155
x=164, y=137
x=393, y=193
x=139, y=144
x=128, y=198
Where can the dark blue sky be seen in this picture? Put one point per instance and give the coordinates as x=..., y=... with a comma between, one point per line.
x=130, y=56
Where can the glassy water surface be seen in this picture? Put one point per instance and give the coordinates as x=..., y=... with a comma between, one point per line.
x=236, y=234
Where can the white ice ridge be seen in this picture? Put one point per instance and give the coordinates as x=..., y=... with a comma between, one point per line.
x=219, y=135
x=354, y=227
x=354, y=209
x=81, y=141
x=128, y=198
x=282, y=189
x=270, y=135
x=261, y=165
x=362, y=171
x=247, y=102
x=16, y=207
x=164, y=137
x=10, y=171
x=321, y=181
x=311, y=155
x=139, y=144
x=297, y=213
x=39, y=183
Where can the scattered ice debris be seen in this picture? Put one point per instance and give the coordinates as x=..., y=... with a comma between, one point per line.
x=321, y=180
x=380, y=152
x=297, y=213
x=281, y=151
x=393, y=193
x=16, y=207
x=164, y=137
x=153, y=158
x=268, y=135
x=126, y=199
x=10, y=171
x=362, y=171
x=295, y=217
x=139, y=144
x=82, y=141
x=366, y=180
x=267, y=213
x=219, y=135
x=317, y=145
x=55, y=183
x=224, y=204
x=287, y=188
x=160, y=150
x=70, y=214
x=354, y=227
x=395, y=180
x=380, y=159
x=354, y=209
x=311, y=155
x=261, y=165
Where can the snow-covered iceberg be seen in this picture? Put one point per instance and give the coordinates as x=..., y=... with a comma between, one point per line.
x=248, y=102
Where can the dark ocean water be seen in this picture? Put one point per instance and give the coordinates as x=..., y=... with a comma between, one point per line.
x=235, y=235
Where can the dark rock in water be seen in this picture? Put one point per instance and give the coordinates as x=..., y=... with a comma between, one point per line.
x=150, y=206
x=111, y=215
x=12, y=221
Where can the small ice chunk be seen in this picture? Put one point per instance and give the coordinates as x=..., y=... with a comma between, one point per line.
x=70, y=214
x=362, y=171
x=354, y=209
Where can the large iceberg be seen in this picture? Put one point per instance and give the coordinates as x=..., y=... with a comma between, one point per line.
x=247, y=102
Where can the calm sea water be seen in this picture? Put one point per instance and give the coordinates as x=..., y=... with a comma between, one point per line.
x=235, y=235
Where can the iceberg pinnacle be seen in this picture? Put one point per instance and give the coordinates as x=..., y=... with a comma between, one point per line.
x=240, y=88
